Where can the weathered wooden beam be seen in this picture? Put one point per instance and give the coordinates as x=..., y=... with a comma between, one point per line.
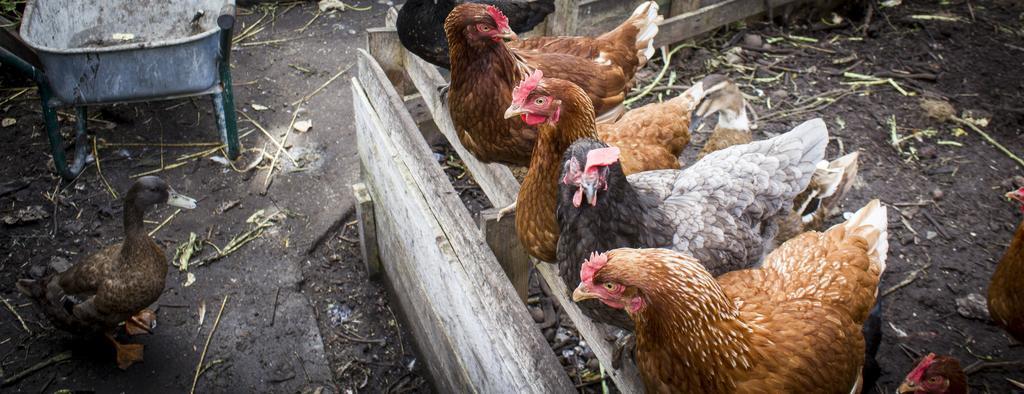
x=683, y=6
x=563, y=21
x=502, y=188
x=474, y=333
x=383, y=44
x=705, y=19
x=368, y=245
x=504, y=242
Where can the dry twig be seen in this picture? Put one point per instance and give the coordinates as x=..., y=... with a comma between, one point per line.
x=202, y=356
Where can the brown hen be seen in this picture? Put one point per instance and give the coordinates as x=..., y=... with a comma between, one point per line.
x=484, y=69
x=1006, y=291
x=650, y=138
x=790, y=326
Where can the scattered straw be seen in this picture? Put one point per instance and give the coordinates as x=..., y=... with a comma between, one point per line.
x=258, y=222
x=164, y=223
x=202, y=356
x=990, y=140
x=273, y=161
x=20, y=320
x=99, y=170
x=311, y=20
x=59, y=358
x=317, y=91
x=667, y=57
x=14, y=96
x=272, y=139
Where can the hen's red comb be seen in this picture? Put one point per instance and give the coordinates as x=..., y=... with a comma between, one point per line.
x=592, y=265
x=918, y=372
x=522, y=91
x=601, y=157
x=1017, y=195
x=500, y=19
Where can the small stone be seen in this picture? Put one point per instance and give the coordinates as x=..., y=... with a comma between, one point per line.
x=753, y=40
x=930, y=235
x=928, y=152
x=537, y=314
x=973, y=306
x=334, y=258
x=937, y=194
x=593, y=364
x=779, y=94
x=732, y=58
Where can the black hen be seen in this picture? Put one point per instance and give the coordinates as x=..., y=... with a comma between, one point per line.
x=421, y=23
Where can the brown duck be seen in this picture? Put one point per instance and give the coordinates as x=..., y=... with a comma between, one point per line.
x=115, y=284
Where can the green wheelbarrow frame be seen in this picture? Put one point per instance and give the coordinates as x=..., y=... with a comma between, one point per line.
x=22, y=58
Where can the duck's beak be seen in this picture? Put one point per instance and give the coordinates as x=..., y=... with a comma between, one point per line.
x=180, y=200
x=513, y=111
x=695, y=121
x=582, y=292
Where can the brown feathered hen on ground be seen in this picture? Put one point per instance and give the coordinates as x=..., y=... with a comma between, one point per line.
x=935, y=375
x=484, y=70
x=1006, y=291
x=650, y=138
x=791, y=326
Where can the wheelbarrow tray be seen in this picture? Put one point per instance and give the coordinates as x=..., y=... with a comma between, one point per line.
x=104, y=51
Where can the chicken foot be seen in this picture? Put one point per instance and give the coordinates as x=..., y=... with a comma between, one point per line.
x=127, y=353
x=511, y=208
x=141, y=323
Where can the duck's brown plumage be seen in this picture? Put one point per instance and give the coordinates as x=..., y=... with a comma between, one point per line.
x=109, y=286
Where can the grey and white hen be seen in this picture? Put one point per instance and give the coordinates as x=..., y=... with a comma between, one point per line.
x=721, y=210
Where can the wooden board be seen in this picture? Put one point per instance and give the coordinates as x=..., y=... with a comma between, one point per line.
x=470, y=327
x=705, y=19
x=502, y=188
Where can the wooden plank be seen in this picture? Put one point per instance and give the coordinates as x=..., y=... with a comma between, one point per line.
x=495, y=179
x=563, y=21
x=502, y=188
x=368, y=245
x=385, y=46
x=703, y=20
x=683, y=6
x=484, y=333
x=501, y=237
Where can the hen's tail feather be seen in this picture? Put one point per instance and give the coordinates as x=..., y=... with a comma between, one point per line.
x=646, y=19
x=871, y=222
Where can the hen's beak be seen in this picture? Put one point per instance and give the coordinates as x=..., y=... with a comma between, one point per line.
x=590, y=190
x=1015, y=195
x=906, y=387
x=513, y=111
x=582, y=293
x=180, y=200
x=508, y=35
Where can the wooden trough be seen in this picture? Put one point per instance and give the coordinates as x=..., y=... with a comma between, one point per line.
x=458, y=282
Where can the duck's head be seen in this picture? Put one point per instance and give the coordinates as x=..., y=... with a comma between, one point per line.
x=720, y=94
x=151, y=190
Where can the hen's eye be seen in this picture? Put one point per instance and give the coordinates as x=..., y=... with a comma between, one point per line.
x=609, y=286
x=933, y=379
x=485, y=28
x=539, y=101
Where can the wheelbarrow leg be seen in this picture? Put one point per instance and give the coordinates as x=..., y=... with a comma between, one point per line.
x=57, y=143
x=224, y=101
x=227, y=121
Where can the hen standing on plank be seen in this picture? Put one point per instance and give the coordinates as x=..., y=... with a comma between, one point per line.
x=651, y=137
x=485, y=69
x=722, y=210
x=115, y=284
x=792, y=325
x=420, y=23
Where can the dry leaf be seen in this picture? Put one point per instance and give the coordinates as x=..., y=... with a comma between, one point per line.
x=190, y=278
x=259, y=107
x=303, y=126
x=8, y=122
x=202, y=315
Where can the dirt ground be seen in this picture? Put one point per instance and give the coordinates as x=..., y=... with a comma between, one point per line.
x=949, y=224
x=300, y=314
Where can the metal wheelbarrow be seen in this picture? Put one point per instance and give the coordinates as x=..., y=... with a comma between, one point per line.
x=89, y=52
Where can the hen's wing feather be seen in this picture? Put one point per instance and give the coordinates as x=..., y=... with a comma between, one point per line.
x=722, y=206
